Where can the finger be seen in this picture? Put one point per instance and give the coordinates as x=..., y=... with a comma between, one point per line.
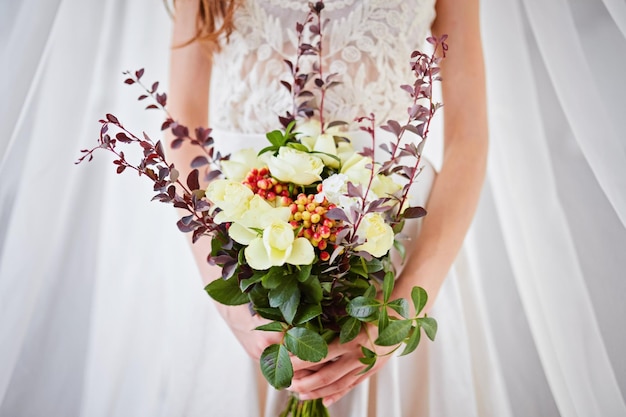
x=298, y=364
x=327, y=375
x=331, y=399
x=337, y=388
x=302, y=373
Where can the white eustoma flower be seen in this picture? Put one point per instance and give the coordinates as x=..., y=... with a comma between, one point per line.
x=291, y=165
x=378, y=235
x=334, y=189
x=240, y=164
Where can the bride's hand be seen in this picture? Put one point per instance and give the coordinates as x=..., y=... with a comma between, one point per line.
x=340, y=371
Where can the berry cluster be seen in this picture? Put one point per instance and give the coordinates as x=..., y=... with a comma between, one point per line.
x=261, y=182
x=309, y=217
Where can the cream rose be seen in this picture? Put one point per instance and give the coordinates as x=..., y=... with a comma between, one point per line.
x=230, y=196
x=357, y=170
x=240, y=164
x=384, y=186
x=378, y=235
x=278, y=246
x=291, y=165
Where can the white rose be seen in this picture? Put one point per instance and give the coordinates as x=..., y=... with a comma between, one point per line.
x=240, y=164
x=230, y=196
x=277, y=247
x=291, y=165
x=357, y=170
x=384, y=186
x=378, y=235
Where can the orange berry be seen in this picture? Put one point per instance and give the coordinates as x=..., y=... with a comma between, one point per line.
x=315, y=218
x=297, y=216
x=306, y=224
x=311, y=207
x=322, y=245
x=306, y=216
x=324, y=256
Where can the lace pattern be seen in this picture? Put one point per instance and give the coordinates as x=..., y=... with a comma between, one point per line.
x=369, y=42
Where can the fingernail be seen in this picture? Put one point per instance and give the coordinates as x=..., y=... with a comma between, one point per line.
x=328, y=402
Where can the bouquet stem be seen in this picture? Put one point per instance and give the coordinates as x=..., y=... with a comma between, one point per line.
x=306, y=408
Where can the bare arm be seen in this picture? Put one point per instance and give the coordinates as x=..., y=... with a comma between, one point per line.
x=188, y=102
x=454, y=195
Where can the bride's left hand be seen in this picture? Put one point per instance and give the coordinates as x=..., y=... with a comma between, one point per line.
x=340, y=371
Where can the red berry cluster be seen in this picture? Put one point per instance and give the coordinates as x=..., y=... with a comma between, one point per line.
x=261, y=182
x=310, y=217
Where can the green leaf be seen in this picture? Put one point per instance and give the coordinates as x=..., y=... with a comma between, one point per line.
x=287, y=298
x=312, y=290
x=306, y=344
x=289, y=128
x=307, y=312
x=374, y=265
x=388, y=285
x=400, y=248
x=370, y=362
x=400, y=306
x=349, y=330
x=359, y=268
x=275, y=137
x=268, y=149
x=270, y=313
x=367, y=352
x=304, y=273
x=370, y=292
x=271, y=327
x=298, y=146
x=395, y=333
x=227, y=292
x=274, y=277
x=383, y=320
x=364, y=309
x=414, y=340
x=430, y=327
x=258, y=296
x=327, y=154
x=419, y=296
x=276, y=366
x=245, y=284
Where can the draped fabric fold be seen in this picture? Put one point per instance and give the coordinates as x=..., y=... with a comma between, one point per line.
x=101, y=308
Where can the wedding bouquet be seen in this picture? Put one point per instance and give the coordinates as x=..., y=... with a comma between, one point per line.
x=303, y=229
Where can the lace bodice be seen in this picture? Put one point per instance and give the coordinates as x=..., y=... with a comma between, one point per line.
x=368, y=42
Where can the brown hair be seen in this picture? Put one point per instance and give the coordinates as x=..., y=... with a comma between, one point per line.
x=214, y=18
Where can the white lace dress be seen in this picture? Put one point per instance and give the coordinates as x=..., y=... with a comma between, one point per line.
x=369, y=42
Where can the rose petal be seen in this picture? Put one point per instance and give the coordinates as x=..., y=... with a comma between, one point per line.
x=301, y=252
x=241, y=234
x=256, y=255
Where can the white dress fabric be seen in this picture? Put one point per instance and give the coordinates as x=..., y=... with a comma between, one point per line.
x=102, y=313
x=369, y=44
